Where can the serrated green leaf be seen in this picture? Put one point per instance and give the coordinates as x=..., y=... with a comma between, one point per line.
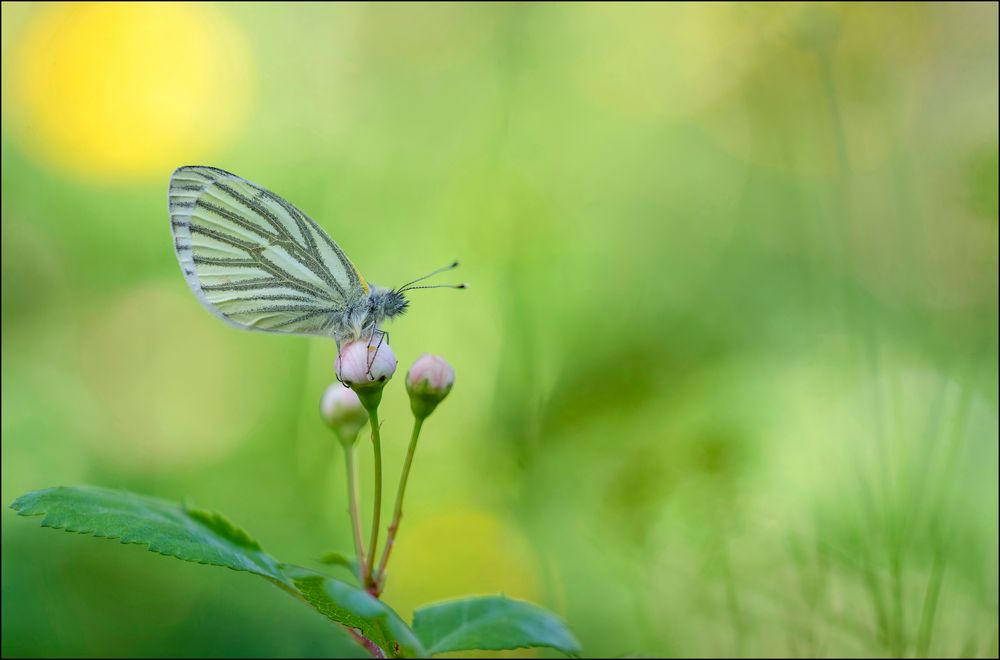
x=358, y=609
x=223, y=527
x=334, y=558
x=169, y=529
x=206, y=537
x=490, y=623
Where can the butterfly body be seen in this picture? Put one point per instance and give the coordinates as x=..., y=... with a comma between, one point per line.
x=366, y=316
x=259, y=263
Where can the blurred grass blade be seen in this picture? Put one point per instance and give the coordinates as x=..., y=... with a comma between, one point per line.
x=490, y=623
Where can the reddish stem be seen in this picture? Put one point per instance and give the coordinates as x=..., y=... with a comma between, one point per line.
x=369, y=645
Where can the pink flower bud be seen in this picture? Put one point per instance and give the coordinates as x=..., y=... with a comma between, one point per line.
x=428, y=382
x=366, y=369
x=360, y=365
x=342, y=411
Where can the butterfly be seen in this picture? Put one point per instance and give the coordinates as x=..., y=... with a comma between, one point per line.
x=259, y=263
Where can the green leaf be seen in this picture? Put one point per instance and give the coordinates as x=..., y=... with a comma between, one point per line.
x=358, y=609
x=206, y=537
x=334, y=558
x=223, y=527
x=491, y=623
x=169, y=529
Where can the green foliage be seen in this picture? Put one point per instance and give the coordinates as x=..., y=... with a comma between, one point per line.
x=339, y=559
x=358, y=609
x=176, y=531
x=493, y=623
x=223, y=527
x=209, y=538
x=205, y=537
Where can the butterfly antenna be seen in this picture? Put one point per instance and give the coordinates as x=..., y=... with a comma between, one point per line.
x=463, y=285
x=450, y=266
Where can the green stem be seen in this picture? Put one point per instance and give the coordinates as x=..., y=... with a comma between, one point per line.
x=398, y=511
x=377, y=509
x=352, y=498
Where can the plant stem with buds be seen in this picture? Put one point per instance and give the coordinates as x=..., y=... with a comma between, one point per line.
x=352, y=498
x=398, y=511
x=377, y=508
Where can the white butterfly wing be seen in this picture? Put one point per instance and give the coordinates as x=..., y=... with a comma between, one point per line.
x=254, y=259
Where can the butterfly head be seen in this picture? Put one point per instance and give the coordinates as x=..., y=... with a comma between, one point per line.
x=387, y=303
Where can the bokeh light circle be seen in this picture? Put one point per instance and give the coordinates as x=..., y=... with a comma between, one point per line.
x=165, y=382
x=112, y=90
x=462, y=551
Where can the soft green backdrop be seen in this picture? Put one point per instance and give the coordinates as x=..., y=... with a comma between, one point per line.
x=727, y=370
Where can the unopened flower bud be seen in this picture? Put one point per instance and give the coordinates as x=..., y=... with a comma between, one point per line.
x=366, y=367
x=342, y=411
x=428, y=382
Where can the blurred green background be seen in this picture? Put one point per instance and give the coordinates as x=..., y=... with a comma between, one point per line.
x=727, y=372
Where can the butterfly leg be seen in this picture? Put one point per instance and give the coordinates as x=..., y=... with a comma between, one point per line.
x=369, y=352
x=383, y=336
x=337, y=372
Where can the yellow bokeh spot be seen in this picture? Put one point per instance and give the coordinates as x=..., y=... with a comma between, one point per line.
x=108, y=90
x=460, y=553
